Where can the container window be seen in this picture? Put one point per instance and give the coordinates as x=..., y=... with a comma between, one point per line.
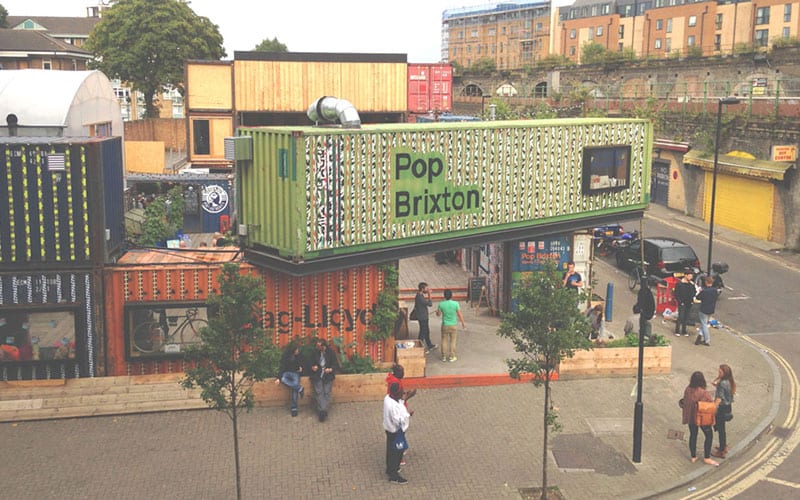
x=201, y=137
x=34, y=336
x=606, y=168
x=163, y=330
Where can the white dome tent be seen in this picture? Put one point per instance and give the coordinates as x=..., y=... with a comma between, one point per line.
x=47, y=103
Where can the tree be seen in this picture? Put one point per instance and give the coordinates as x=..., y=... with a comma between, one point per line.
x=163, y=217
x=235, y=352
x=546, y=328
x=273, y=45
x=146, y=42
x=484, y=66
x=3, y=17
x=592, y=52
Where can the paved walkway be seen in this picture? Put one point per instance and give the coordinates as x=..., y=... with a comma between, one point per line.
x=466, y=443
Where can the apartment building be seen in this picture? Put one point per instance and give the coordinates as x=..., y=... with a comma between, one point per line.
x=514, y=34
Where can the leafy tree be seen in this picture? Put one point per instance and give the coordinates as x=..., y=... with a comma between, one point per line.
x=554, y=61
x=484, y=66
x=502, y=110
x=383, y=321
x=592, y=52
x=546, y=328
x=146, y=42
x=162, y=217
x=235, y=352
x=273, y=45
x=3, y=17
x=458, y=68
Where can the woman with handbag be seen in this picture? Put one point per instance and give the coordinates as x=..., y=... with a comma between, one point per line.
x=726, y=388
x=696, y=392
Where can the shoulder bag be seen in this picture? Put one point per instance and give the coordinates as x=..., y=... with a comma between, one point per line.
x=413, y=315
x=705, y=413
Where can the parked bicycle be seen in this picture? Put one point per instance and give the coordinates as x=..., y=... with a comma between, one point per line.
x=154, y=336
x=637, y=274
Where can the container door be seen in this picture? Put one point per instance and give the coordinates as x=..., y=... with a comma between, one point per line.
x=659, y=185
x=191, y=210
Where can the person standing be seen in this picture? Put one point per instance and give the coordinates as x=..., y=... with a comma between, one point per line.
x=396, y=377
x=395, y=419
x=708, y=303
x=647, y=308
x=422, y=302
x=450, y=312
x=684, y=296
x=726, y=388
x=289, y=375
x=571, y=279
x=324, y=365
x=694, y=392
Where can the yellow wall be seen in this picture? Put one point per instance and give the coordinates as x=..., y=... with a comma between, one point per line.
x=218, y=128
x=743, y=204
x=145, y=157
x=209, y=86
x=290, y=86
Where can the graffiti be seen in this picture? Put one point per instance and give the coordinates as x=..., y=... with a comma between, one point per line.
x=341, y=319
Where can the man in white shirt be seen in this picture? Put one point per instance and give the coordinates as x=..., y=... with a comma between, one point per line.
x=395, y=419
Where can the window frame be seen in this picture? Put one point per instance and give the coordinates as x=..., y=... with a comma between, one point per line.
x=146, y=309
x=603, y=161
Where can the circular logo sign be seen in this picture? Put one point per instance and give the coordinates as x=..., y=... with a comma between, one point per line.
x=215, y=199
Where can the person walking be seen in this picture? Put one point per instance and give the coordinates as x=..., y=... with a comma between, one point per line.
x=395, y=419
x=324, y=365
x=726, y=388
x=694, y=392
x=450, y=312
x=684, y=295
x=647, y=308
x=291, y=368
x=708, y=303
x=422, y=301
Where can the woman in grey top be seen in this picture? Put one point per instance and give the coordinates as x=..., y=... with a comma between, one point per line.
x=726, y=388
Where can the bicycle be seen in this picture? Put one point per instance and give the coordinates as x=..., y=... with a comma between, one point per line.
x=637, y=274
x=153, y=336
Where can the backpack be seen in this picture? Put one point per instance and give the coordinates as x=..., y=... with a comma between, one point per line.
x=705, y=413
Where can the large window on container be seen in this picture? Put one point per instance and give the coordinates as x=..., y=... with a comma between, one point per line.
x=163, y=330
x=27, y=335
x=201, y=137
x=606, y=168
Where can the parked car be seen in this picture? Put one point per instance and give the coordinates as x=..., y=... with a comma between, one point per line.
x=663, y=256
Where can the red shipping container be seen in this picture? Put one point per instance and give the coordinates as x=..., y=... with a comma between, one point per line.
x=430, y=88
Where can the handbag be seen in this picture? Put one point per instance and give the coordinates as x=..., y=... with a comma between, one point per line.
x=705, y=413
x=413, y=315
x=724, y=413
x=400, y=443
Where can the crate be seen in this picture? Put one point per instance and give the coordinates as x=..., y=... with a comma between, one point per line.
x=412, y=358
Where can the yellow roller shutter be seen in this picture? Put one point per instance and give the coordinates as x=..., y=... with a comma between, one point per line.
x=743, y=204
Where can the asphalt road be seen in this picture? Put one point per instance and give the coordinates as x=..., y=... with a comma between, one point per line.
x=761, y=301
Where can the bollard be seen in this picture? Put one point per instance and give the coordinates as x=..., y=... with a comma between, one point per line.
x=609, y=301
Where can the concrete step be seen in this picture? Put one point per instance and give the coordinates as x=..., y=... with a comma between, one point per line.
x=102, y=410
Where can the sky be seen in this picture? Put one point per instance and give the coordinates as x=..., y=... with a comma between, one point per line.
x=410, y=27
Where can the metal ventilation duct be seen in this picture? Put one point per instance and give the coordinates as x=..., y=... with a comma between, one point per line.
x=330, y=109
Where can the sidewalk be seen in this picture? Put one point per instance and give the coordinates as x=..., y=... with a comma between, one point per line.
x=466, y=443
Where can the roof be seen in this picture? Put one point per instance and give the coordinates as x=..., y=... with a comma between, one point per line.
x=29, y=93
x=736, y=165
x=179, y=256
x=61, y=26
x=26, y=41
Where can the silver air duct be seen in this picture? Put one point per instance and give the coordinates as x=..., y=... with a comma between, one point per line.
x=329, y=109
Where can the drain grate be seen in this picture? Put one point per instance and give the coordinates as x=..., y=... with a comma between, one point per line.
x=673, y=434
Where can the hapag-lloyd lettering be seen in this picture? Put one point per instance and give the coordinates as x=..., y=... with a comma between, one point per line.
x=339, y=318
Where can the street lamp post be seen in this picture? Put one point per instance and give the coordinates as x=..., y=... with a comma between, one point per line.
x=722, y=101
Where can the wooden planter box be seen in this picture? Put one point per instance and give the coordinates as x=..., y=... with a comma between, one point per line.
x=412, y=358
x=606, y=361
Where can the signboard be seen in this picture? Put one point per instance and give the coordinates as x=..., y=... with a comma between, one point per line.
x=530, y=256
x=759, y=86
x=784, y=153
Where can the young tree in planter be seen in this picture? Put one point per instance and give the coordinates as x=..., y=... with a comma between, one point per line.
x=235, y=352
x=546, y=328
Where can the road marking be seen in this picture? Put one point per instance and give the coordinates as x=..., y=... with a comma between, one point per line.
x=775, y=451
x=743, y=297
x=783, y=483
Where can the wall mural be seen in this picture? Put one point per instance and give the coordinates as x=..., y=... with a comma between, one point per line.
x=375, y=186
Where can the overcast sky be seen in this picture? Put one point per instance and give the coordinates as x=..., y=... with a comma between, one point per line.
x=410, y=27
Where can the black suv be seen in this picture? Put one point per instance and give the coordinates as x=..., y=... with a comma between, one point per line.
x=664, y=256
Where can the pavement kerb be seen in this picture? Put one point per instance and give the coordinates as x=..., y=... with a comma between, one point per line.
x=762, y=428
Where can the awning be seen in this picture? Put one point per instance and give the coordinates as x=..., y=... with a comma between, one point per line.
x=736, y=165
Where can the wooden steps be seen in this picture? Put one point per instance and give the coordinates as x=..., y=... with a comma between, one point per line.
x=42, y=400
x=460, y=294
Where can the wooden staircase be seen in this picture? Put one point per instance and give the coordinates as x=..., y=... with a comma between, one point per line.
x=50, y=399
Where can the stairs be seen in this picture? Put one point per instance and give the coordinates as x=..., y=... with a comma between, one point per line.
x=50, y=399
x=460, y=294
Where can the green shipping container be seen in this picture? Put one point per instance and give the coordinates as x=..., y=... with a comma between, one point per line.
x=314, y=192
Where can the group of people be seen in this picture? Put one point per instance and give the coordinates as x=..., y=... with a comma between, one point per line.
x=723, y=399
x=686, y=294
x=321, y=366
x=449, y=310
